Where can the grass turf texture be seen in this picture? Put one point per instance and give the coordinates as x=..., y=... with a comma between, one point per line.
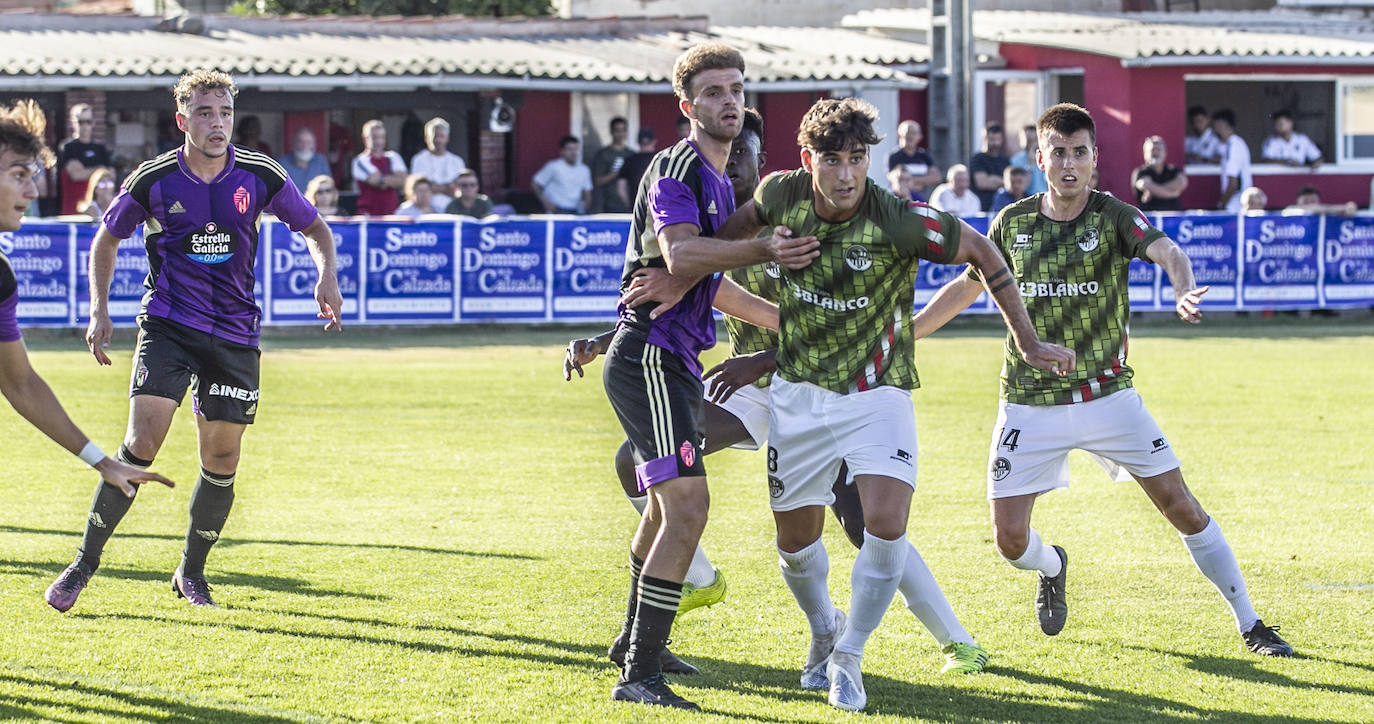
x=427, y=528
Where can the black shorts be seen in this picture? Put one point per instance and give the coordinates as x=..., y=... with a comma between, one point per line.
x=660, y=404
x=223, y=375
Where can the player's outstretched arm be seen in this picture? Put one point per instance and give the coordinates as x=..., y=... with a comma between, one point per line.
x=1187, y=294
x=655, y=284
x=690, y=255
x=35, y=402
x=319, y=240
x=948, y=302
x=978, y=251
x=738, y=302
x=583, y=351
x=104, y=247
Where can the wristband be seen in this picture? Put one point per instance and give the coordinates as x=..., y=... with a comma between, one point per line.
x=91, y=454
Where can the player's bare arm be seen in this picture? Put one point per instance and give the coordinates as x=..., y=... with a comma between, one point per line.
x=34, y=401
x=948, y=302
x=738, y=372
x=978, y=251
x=1187, y=294
x=319, y=240
x=103, y=250
x=583, y=351
x=688, y=254
x=655, y=284
x=738, y=302
x=743, y=224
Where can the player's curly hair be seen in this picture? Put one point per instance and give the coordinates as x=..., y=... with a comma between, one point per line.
x=1067, y=119
x=838, y=124
x=199, y=81
x=22, y=127
x=702, y=57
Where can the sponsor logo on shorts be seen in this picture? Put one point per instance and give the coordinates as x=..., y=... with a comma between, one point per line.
x=858, y=258
x=774, y=487
x=252, y=409
x=902, y=456
x=238, y=393
x=1160, y=444
x=211, y=246
x=241, y=199
x=688, y=453
x=1001, y=468
x=1088, y=241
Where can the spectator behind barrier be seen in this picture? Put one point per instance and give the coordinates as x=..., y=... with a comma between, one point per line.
x=1289, y=147
x=100, y=191
x=987, y=165
x=1235, y=160
x=419, y=198
x=1015, y=182
x=1201, y=144
x=323, y=195
x=954, y=196
x=564, y=185
x=1158, y=184
x=1253, y=198
x=469, y=202
x=1309, y=201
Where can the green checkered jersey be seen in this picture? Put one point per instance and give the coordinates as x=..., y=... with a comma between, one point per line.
x=1073, y=279
x=845, y=317
x=764, y=280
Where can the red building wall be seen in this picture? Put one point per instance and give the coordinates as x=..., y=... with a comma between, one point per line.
x=660, y=112
x=782, y=114
x=540, y=122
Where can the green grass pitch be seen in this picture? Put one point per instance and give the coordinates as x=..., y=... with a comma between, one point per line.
x=427, y=528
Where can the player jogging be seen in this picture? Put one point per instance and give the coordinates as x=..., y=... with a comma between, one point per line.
x=1070, y=249
x=200, y=205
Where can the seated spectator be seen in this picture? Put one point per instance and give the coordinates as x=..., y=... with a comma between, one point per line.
x=304, y=162
x=419, y=197
x=987, y=165
x=1289, y=147
x=1309, y=201
x=899, y=183
x=1253, y=199
x=100, y=191
x=1158, y=184
x=438, y=164
x=1025, y=158
x=322, y=194
x=954, y=196
x=564, y=185
x=469, y=202
x=924, y=172
x=1015, y=183
x=1201, y=145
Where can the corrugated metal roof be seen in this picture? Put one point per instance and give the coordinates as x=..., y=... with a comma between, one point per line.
x=1277, y=35
x=115, y=47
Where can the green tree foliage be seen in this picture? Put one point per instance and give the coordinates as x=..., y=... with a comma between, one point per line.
x=397, y=7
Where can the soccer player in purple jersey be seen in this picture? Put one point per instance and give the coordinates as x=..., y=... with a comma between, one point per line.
x=200, y=205
x=21, y=152
x=652, y=374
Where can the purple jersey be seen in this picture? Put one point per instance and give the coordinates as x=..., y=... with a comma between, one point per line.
x=202, y=238
x=679, y=187
x=9, y=302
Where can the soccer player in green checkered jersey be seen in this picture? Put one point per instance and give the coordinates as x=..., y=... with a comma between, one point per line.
x=1070, y=249
x=846, y=367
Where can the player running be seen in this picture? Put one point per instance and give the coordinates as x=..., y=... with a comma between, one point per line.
x=200, y=205
x=841, y=394
x=1070, y=248
x=22, y=151
x=652, y=374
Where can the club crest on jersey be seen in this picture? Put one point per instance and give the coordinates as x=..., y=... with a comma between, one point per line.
x=1089, y=239
x=241, y=199
x=211, y=246
x=858, y=258
x=688, y=453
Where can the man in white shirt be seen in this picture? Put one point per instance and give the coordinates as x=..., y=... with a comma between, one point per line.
x=377, y=172
x=564, y=185
x=954, y=196
x=1235, y=160
x=437, y=164
x=1202, y=145
x=1289, y=147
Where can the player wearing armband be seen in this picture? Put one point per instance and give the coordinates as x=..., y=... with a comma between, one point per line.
x=1070, y=249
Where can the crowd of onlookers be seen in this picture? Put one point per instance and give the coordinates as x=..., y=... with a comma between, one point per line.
x=438, y=181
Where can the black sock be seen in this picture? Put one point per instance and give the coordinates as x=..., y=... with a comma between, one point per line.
x=107, y=509
x=210, y=504
x=658, y=601
x=633, y=604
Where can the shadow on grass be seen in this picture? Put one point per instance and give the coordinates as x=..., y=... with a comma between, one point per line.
x=1073, y=702
x=1247, y=668
x=277, y=584
x=232, y=542
x=75, y=696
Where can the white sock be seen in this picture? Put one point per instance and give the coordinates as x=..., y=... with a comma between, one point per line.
x=1214, y=558
x=805, y=573
x=1038, y=557
x=700, y=573
x=874, y=582
x=925, y=599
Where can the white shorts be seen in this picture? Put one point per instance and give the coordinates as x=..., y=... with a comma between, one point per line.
x=1029, y=453
x=750, y=406
x=811, y=430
